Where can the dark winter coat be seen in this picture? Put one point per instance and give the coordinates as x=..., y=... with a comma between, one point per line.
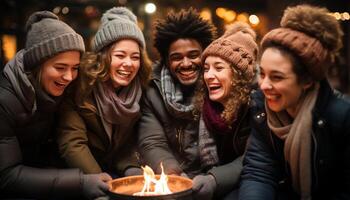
x=84, y=143
x=265, y=171
x=27, y=153
x=163, y=137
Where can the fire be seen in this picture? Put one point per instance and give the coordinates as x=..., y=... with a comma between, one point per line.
x=152, y=186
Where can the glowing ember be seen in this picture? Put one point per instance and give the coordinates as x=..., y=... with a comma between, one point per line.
x=152, y=186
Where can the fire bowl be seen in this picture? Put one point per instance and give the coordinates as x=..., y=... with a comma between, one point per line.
x=124, y=188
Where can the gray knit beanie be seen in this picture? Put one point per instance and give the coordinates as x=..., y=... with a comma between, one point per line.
x=117, y=23
x=48, y=36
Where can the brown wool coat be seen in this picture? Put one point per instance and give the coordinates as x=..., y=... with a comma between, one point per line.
x=83, y=142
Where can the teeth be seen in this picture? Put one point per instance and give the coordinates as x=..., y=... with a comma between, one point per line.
x=271, y=97
x=123, y=73
x=187, y=72
x=214, y=87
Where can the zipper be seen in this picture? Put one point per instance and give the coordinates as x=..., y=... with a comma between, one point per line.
x=179, y=136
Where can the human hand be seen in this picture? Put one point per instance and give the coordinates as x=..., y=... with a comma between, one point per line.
x=204, y=187
x=95, y=185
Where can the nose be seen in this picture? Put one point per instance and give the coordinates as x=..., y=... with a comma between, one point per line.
x=186, y=62
x=209, y=74
x=127, y=61
x=265, y=84
x=68, y=75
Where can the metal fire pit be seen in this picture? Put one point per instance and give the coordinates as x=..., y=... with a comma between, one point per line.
x=124, y=188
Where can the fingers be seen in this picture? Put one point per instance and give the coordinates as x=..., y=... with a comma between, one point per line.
x=105, y=177
x=197, y=183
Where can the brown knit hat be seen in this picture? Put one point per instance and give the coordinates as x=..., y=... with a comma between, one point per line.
x=311, y=33
x=237, y=46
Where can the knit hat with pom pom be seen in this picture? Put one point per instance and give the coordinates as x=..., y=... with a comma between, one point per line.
x=237, y=46
x=310, y=33
x=117, y=23
x=46, y=37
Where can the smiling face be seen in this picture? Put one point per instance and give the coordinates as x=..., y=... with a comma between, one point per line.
x=279, y=82
x=218, y=78
x=184, y=60
x=59, y=71
x=125, y=62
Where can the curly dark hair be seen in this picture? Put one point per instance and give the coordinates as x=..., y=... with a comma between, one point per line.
x=183, y=24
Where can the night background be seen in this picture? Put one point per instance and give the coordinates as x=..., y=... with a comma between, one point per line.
x=84, y=17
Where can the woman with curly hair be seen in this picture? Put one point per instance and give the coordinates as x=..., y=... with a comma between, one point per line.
x=300, y=143
x=223, y=99
x=96, y=130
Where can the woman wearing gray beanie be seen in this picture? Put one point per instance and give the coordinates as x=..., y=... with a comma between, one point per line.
x=96, y=128
x=31, y=86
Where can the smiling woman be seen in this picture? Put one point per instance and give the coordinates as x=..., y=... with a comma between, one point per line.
x=97, y=122
x=31, y=87
x=223, y=99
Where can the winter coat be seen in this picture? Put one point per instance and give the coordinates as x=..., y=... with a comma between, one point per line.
x=165, y=138
x=265, y=171
x=227, y=173
x=27, y=150
x=84, y=143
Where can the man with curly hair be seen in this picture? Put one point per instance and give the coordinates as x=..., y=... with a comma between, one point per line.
x=168, y=129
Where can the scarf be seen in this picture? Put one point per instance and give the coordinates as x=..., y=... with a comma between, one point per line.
x=173, y=96
x=211, y=123
x=212, y=117
x=118, y=111
x=27, y=90
x=297, y=135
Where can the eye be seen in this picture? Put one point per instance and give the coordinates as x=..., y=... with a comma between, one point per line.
x=59, y=68
x=206, y=68
x=76, y=68
x=120, y=56
x=219, y=68
x=261, y=74
x=135, y=57
x=193, y=55
x=276, y=78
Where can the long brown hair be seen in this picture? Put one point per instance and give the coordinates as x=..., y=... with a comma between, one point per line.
x=95, y=67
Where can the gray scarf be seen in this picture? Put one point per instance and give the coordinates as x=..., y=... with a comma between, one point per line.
x=173, y=97
x=297, y=136
x=207, y=147
x=118, y=111
x=23, y=88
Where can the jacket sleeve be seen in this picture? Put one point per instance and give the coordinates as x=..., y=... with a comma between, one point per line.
x=344, y=186
x=18, y=180
x=259, y=176
x=129, y=157
x=227, y=176
x=152, y=141
x=73, y=141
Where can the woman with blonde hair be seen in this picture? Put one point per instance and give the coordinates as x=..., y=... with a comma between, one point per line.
x=96, y=131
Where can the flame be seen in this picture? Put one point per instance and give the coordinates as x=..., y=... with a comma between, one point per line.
x=152, y=186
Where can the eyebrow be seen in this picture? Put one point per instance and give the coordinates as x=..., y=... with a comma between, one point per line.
x=190, y=51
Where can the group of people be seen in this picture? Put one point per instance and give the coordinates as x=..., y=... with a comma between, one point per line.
x=243, y=121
